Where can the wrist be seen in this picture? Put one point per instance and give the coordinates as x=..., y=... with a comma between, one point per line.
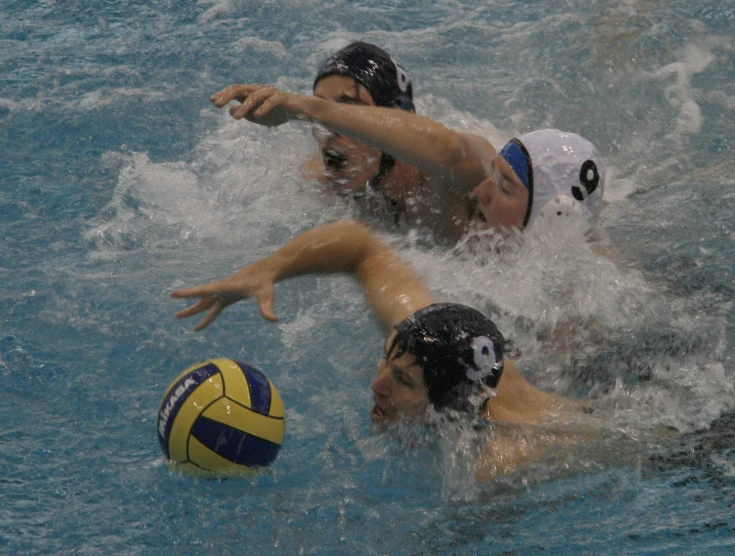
x=313, y=109
x=271, y=268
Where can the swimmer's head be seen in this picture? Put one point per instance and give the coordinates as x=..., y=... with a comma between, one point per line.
x=360, y=73
x=555, y=164
x=545, y=173
x=446, y=355
x=372, y=67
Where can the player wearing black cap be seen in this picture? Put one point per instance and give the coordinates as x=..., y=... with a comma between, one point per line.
x=420, y=168
x=387, y=85
x=362, y=150
x=446, y=356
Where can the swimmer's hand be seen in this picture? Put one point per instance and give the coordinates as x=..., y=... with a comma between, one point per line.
x=252, y=281
x=261, y=104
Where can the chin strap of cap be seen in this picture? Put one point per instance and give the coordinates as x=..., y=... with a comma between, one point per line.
x=387, y=163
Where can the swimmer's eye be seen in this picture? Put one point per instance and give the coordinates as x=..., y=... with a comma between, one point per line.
x=506, y=186
x=497, y=175
x=401, y=377
x=502, y=181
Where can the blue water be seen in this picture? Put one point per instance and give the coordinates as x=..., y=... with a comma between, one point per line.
x=119, y=183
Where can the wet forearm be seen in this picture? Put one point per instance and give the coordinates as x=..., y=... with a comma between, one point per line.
x=336, y=247
x=417, y=140
x=392, y=288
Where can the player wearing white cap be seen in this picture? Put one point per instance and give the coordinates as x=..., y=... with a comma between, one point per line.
x=552, y=173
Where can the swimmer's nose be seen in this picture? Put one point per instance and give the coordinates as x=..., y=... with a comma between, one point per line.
x=483, y=191
x=380, y=386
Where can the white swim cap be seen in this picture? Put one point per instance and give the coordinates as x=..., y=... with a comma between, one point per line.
x=559, y=168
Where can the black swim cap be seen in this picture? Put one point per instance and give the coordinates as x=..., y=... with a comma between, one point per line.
x=386, y=81
x=459, y=349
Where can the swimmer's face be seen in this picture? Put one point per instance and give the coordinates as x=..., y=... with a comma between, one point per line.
x=399, y=390
x=348, y=164
x=501, y=199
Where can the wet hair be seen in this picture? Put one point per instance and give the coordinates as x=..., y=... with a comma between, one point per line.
x=460, y=352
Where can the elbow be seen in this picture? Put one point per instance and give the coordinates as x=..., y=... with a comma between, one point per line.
x=467, y=158
x=357, y=236
x=456, y=152
x=460, y=161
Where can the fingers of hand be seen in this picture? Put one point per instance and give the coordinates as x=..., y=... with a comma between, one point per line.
x=209, y=318
x=269, y=104
x=227, y=94
x=256, y=99
x=196, y=291
x=238, y=112
x=265, y=302
x=233, y=92
x=198, y=307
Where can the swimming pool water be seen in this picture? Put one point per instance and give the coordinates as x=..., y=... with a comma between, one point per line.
x=119, y=183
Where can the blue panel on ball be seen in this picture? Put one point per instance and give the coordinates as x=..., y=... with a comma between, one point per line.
x=234, y=445
x=176, y=397
x=260, y=389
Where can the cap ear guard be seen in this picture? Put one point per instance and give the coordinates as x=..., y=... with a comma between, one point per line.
x=487, y=369
x=404, y=103
x=559, y=207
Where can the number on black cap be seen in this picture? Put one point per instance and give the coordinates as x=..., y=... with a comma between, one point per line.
x=401, y=76
x=483, y=357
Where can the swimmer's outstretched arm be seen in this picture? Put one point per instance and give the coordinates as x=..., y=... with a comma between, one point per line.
x=459, y=159
x=393, y=289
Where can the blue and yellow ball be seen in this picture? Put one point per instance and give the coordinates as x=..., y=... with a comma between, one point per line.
x=221, y=416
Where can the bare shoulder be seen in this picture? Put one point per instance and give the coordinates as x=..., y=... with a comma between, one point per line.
x=513, y=445
x=526, y=422
x=518, y=401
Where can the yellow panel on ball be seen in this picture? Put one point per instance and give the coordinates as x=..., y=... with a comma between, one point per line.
x=277, y=409
x=229, y=413
x=236, y=384
x=197, y=401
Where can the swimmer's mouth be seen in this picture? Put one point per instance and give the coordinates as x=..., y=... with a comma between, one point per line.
x=472, y=209
x=377, y=414
x=334, y=160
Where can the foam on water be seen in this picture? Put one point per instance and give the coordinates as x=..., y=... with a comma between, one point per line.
x=227, y=193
